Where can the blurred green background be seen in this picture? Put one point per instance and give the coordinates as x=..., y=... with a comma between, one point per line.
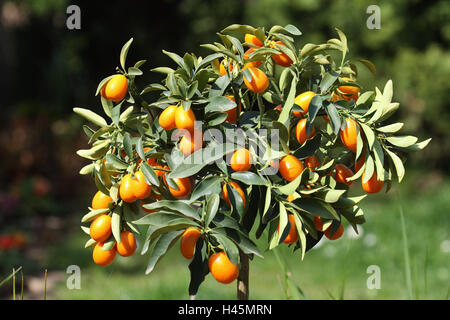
x=48, y=69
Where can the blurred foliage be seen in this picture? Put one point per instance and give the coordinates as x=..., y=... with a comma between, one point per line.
x=48, y=69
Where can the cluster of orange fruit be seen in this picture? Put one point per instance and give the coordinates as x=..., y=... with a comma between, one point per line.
x=220, y=266
x=259, y=81
x=100, y=231
x=291, y=167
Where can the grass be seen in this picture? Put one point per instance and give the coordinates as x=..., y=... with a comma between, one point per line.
x=408, y=224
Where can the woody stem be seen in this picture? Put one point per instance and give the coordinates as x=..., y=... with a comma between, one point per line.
x=242, y=284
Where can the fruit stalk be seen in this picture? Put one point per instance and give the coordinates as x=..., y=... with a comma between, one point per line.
x=242, y=283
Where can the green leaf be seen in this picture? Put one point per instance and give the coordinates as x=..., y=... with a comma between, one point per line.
x=229, y=247
x=199, y=159
x=162, y=245
x=369, y=134
x=293, y=30
x=212, y=206
x=93, y=214
x=87, y=169
x=116, y=162
x=124, y=53
x=175, y=57
x=220, y=103
x=249, y=178
x=392, y=128
x=331, y=195
x=116, y=224
x=398, y=164
x=309, y=148
x=127, y=145
x=345, y=203
x=328, y=79
x=165, y=70
x=402, y=141
x=102, y=83
x=149, y=174
x=335, y=119
x=417, y=146
x=219, y=86
x=91, y=116
x=284, y=116
x=369, y=169
x=107, y=106
x=153, y=87
x=369, y=65
x=207, y=186
x=132, y=71
x=315, y=207
x=175, y=205
x=290, y=188
x=240, y=239
x=90, y=243
x=198, y=267
x=239, y=28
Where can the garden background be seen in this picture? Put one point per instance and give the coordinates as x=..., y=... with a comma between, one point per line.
x=48, y=69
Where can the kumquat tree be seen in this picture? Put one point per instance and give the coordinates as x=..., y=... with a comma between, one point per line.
x=258, y=135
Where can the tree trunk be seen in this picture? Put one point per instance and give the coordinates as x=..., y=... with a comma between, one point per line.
x=242, y=284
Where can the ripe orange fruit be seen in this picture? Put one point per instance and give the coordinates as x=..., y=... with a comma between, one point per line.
x=184, y=119
x=184, y=187
x=241, y=160
x=141, y=189
x=349, y=134
x=318, y=223
x=191, y=143
x=232, y=116
x=342, y=173
x=103, y=257
x=350, y=93
x=222, y=269
x=300, y=131
x=281, y=59
x=126, y=189
x=290, y=167
x=188, y=241
x=292, y=237
x=167, y=118
x=250, y=38
x=373, y=185
x=279, y=108
x=127, y=245
x=101, y=201
x=339, y=232
x=259, y=82
x=238, y=188
x=116, y=88
x=222, y=66
x=312, y=162
x=100, y=228
x=303, y=100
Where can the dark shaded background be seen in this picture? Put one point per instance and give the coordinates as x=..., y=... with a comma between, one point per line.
x=47, y=70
